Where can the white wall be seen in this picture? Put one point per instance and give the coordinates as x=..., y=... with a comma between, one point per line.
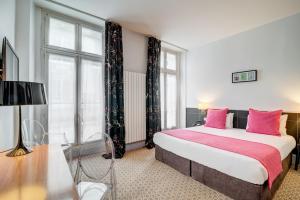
x=273, y=49
x=134, y=51
x=25, y=38
x=7, y=28
x=135, y=48
x=7, y=25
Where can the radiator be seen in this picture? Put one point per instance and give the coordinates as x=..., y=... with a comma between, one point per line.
x=135, y=106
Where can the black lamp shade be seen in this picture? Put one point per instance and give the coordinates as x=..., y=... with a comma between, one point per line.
x=13, y=93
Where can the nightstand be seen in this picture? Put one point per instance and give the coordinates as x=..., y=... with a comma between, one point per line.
x=199, y=123
x=297, y=156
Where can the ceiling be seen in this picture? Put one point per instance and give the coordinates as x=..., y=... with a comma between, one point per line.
x=189, y=23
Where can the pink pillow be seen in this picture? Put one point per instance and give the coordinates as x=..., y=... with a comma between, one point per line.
x=216, y=118
x=264, y=122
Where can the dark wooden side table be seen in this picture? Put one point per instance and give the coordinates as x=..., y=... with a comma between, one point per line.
x=297, y=156
x=199, y=123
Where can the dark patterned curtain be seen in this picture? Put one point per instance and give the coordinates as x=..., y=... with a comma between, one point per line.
x=153, y=123
x=114, y=102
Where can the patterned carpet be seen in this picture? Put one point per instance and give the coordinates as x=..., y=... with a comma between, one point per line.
x=141, y=177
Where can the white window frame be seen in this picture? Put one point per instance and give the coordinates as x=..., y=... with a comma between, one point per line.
x=47, y=49
x=176, y=72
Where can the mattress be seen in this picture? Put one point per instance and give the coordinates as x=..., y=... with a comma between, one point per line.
x=233, y=164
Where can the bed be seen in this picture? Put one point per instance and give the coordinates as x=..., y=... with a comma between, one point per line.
x=235, y=175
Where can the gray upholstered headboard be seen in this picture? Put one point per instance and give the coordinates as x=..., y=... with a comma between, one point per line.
x=240, y=120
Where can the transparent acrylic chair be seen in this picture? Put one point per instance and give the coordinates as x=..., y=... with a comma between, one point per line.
x=95, y=175
x=34, y=134
x=60, y=138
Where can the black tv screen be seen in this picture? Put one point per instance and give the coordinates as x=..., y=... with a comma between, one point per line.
x=10, y=62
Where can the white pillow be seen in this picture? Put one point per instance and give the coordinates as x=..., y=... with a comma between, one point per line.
x=229, y=120
x=282, y=127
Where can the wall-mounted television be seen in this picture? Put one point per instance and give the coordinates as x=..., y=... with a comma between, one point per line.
x=10, y=62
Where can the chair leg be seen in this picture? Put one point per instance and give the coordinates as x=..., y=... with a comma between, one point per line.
x=114, y=193
x=77, y=173
x=114, y=184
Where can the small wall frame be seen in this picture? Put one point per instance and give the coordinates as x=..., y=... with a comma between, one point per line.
x=244, y=76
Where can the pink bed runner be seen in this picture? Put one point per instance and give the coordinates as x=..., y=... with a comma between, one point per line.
x=267, y=155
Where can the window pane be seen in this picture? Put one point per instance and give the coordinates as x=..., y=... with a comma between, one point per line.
x=171, y=61
x=91, y=41
x=61, y=34
x=62, y=97
x=162, y=100
x=162, y=59
x=92, y=99
x=171, y=101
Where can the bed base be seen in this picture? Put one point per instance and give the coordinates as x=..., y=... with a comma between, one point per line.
x=228, y=185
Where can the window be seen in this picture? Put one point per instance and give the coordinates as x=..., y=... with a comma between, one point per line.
x=91, y=41
x=169, y=89
x=75, y=77
x=61, y=34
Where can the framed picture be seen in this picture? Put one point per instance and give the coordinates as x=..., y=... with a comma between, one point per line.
x=244, y=76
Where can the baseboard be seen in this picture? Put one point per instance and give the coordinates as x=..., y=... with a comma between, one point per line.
x=93, y=147
x=135, y=145
x=87, y=149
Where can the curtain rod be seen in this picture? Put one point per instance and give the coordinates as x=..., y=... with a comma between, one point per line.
x=75, y=9
x=86, y=13
x=168, y=43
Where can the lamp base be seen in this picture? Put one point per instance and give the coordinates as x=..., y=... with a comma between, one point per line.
x=19, y=150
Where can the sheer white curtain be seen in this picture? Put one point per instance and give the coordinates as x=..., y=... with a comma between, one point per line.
x=62, y=97
x=169, y=89
x=92, y=98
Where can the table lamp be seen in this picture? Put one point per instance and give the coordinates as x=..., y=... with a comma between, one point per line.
x=19, y=93
x=203, y=106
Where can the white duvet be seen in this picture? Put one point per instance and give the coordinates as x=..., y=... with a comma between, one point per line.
x=233, y=164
